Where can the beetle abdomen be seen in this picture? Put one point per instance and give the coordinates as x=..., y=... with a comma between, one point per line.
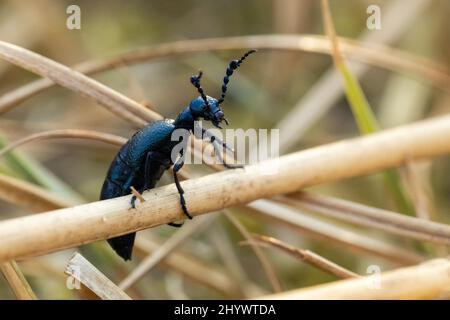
x=118, y=179
x=132, y=167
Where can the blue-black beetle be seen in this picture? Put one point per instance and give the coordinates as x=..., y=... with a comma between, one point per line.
x=141, y=162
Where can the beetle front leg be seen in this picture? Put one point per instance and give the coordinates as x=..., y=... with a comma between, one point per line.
x=213, y=138
x=217, y=143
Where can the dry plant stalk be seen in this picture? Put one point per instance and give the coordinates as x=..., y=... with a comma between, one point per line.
x=270, y=272
x=66, y=133
x=285, y=215
x=112, y=100
x=82, y=270
x=107, y=138
x=430, y=280
x=334, y=235
x=79, y=83
x=377, y=55
x=191, y=268
x=153, y=259
x=43, y=233
x=385, y=220
x=29, y=60
x=307, y=256
x=331, y=33
x=416, y=188
x=163, y=251
x=17, y=281
x=27, y=195
x=33, y=198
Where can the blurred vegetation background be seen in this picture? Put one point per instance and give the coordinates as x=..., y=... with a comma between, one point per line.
x=261, y=95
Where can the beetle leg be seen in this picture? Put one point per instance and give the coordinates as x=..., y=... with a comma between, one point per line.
x=176, y=167
x=218, y=143
x=149, y=185
x=221, y=159
x=145, y=185
x=212, y=138
x=136, y=195
x=176, y=225
x=133, y=202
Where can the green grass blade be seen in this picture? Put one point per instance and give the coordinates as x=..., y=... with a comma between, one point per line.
x=367, y=123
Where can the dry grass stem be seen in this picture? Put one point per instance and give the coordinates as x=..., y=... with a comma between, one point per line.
x=17, y=282
x=307, y=256
x=430, y=280
x=48, y=232
x=331, y=33
x=416, y=187
x=371, y=217
x=29, y=196
x=221, y=241
x=36, y=199
x=268, y=269
x=190, y=267
x=335, y=235
x=377, y=55
x=114, y=101
x=42, y=200
x=77, y=82
x=82, y=270
x=164, y=250
x=66, y=134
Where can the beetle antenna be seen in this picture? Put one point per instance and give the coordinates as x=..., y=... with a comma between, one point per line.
x=234, y=64
x=195, y=80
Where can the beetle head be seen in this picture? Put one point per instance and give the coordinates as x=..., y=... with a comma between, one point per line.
x=209, y=111
x=207, y=107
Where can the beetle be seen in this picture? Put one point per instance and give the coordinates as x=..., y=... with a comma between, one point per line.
x=141, y=161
